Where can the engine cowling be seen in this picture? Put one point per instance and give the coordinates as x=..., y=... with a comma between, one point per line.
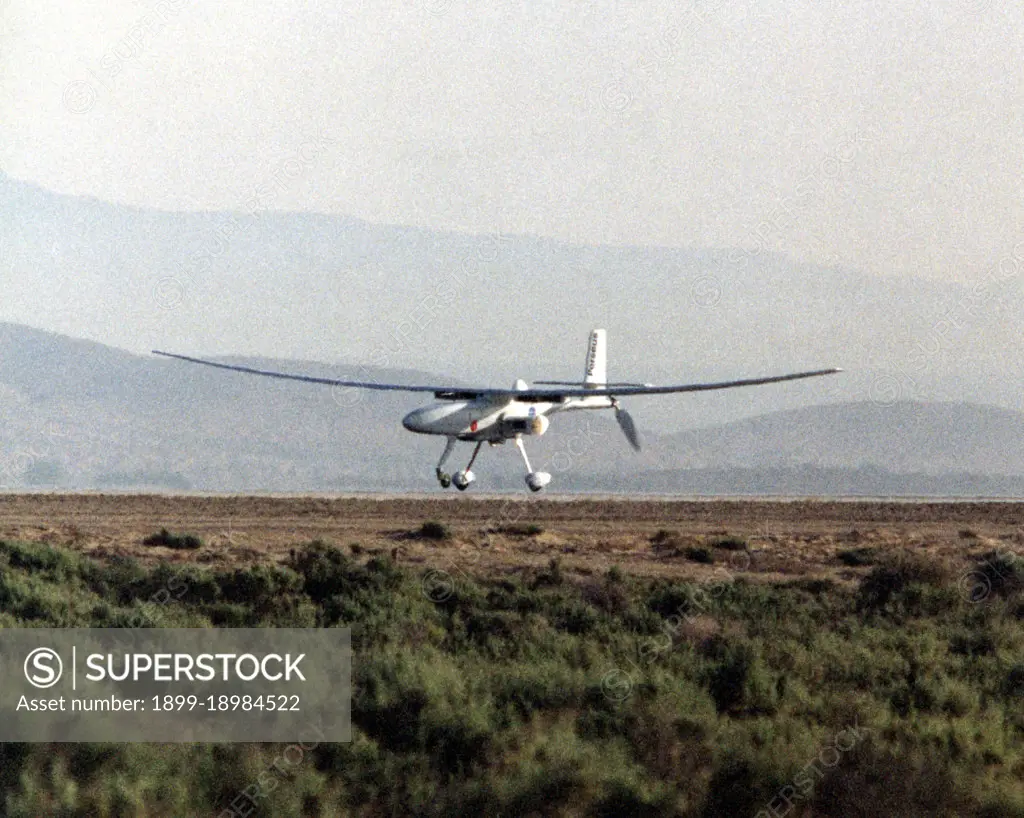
x=537, y=425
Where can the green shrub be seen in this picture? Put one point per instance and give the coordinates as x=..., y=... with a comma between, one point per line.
x=699, y=554
x=730, y=544
x=741, y=784
x=232, y=615
x=611, y=596
x=972, y=643
x=539, y=688
x=668, y=600
x=183, y=542
x=433, y=530
x=577, y=618
x=633, y=798
x=901, y=781
x=1013, y=687
x=519, y=529
x=738, y=680
x=323, y=569
x=114, y=579
x=856, y=557
x=1002, y=572
x=550, y=576
x=381, y=572
x=257, y=584
x=897, y=576
x=55, y=564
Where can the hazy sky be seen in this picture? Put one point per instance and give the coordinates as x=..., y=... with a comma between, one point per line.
x=886, y=136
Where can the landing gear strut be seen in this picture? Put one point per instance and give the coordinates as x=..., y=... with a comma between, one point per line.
x=443, y=477
x=463, y=478
x=536, y=480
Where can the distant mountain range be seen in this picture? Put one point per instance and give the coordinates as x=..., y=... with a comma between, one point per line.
x=491, y=308
x=79, y=415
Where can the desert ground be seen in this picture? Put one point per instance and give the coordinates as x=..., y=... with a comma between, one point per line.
x=706, y=675
x=494, y=535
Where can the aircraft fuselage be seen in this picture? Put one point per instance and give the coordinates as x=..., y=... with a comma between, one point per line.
x=487, y=420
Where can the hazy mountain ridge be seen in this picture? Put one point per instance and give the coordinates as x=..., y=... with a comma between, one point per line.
x=493, y=308
x=80, y=415
x=930, y=438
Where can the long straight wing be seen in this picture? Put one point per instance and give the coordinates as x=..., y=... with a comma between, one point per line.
x=697, y=387
x=328, y=381
x=531, y=394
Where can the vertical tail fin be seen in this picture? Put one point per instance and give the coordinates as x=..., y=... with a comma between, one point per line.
x=596, y=372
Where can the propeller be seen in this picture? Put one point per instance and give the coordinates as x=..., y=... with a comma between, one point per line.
x=627, y=425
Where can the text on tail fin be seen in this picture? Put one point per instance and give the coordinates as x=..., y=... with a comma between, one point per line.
x=596, y=372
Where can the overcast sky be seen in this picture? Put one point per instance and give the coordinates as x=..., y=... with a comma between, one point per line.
x=882, y=135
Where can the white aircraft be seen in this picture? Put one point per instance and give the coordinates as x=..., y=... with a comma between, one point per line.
x=496, y=415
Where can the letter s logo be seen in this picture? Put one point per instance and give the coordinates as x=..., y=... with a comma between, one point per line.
x=39, y=668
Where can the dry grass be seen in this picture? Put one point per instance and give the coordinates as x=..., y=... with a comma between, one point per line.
x=647, y=537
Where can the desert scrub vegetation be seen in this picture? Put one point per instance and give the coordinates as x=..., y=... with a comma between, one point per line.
x=184, y=542
x=699, y=553
x=433, y=530
x=855, y=557
x=729, y=543
x=519, y=529
x=540, y=693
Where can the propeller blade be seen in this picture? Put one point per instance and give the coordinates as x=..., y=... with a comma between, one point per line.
x=628, y=427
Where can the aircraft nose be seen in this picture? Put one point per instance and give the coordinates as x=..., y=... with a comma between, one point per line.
x=414, y=421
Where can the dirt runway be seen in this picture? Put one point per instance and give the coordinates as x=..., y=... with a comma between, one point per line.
x=493, y=535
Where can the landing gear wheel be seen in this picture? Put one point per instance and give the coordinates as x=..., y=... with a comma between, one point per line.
x=444, y=479
x=462, y=479
x=536, y=480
